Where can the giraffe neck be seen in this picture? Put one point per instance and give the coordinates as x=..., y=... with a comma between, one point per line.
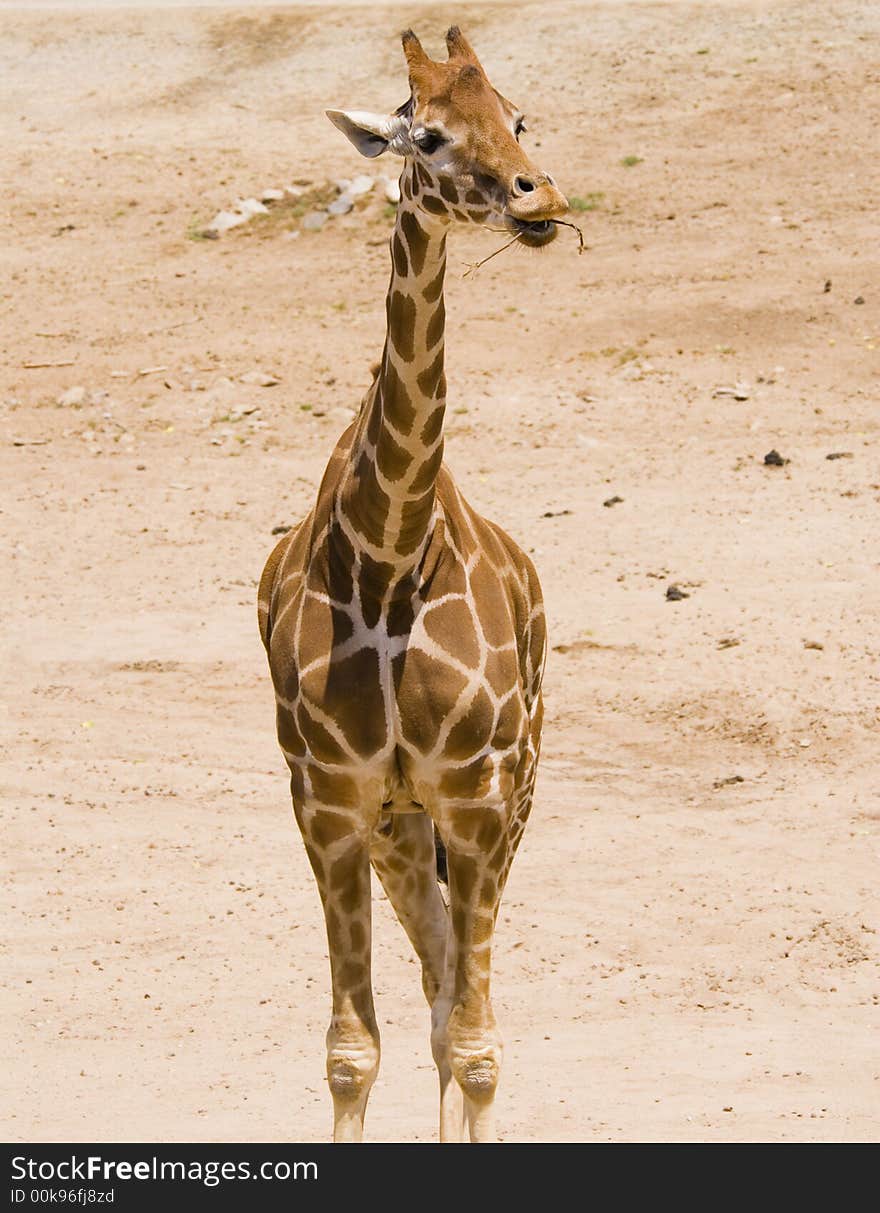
x=389, y=493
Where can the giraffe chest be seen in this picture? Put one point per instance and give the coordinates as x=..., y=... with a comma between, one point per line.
x=417, y=698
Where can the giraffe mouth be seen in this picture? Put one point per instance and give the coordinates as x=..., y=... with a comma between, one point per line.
x=534, y=233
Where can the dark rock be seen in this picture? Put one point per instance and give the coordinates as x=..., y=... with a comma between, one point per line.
x=774, y=460
x=675, y=594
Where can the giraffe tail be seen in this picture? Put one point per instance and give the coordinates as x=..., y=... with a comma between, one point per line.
x=440, y=852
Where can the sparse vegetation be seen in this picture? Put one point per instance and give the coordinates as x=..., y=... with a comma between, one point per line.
x=631, y=161
x=589, y=202
x=283, y=215
x=195, y=229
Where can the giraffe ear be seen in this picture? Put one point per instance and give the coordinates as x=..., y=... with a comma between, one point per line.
x=372, y=134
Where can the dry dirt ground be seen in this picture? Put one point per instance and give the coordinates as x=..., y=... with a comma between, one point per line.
x=688, y=948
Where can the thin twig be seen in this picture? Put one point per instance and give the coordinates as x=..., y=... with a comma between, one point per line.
x=582, y=248
x=470, y=269
x=170, y=327
x=35, y=366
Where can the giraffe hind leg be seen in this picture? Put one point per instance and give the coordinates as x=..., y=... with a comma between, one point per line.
x=481, y=840
x=405, y=857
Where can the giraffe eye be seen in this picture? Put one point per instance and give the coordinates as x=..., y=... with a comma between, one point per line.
x=429, y=141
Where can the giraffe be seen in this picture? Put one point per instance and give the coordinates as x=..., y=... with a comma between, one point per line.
x=405, y=633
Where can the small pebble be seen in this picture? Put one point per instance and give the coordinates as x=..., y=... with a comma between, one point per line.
x=314, y=221
x=72, y=397
x=259, y=379
x=223, y=221
x=341, y=205
x=675, y=594
x=774, y=460
x=250, y=207
x=361, y=185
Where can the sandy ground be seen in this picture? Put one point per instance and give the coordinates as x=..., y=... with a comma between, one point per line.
x=688, y=948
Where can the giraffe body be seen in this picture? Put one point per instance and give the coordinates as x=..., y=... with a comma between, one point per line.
x=447, y=699
x=406, y=639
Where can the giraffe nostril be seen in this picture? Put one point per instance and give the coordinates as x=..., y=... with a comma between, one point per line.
x=523, y=185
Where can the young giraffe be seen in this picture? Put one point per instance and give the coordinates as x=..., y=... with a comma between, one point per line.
x=405, y=633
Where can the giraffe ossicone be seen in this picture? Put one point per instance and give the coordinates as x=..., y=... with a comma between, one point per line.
x=405, y=633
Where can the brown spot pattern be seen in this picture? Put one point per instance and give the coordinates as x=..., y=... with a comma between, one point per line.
x=448, y=189
x=398, y=255
x=434, y=205
x=436, y=325
x=451, y=625
x=430, y=377
x=393, y=459
x=402, y=324
x=355, y=693
x=416, y=240
x=432, y=291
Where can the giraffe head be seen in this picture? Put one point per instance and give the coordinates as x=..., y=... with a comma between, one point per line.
x=460, y=139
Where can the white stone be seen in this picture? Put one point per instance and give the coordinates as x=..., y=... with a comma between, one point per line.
x=224, y=220
x=259, y=379
x=361, y=185
x=341, y=205
x=392, y=190
x=72, y=397
x=251, y=207
x=314, y=221
x=272, y=196
x=738, y=391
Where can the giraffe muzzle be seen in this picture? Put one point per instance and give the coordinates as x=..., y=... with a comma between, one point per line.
x=534, y=233
x=532, y=206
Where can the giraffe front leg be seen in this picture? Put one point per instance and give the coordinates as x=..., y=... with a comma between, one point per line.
x=477, y=850
x=338, y=850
